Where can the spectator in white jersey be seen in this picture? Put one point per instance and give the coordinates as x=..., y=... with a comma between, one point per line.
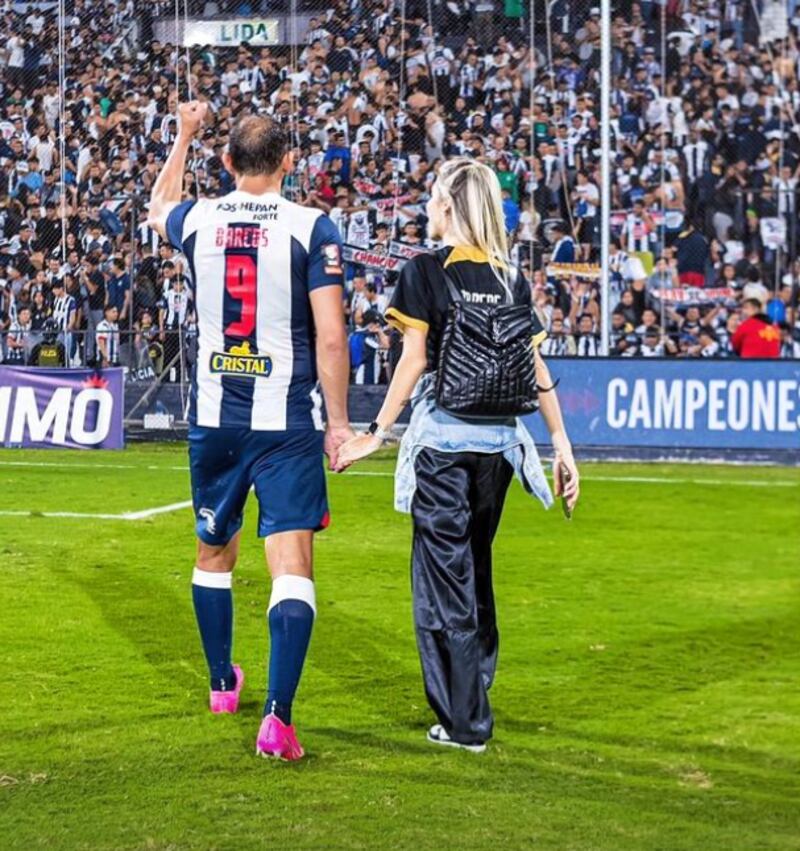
x=174, y=311
x=19, y=341
x=268, y=282
x=107, y=337
x=65, y=314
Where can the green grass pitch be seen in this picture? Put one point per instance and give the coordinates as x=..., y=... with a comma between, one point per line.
x=648, y=694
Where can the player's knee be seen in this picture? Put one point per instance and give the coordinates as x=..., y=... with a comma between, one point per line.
x=215, y=559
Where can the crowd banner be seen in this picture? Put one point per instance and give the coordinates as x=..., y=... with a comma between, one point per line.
x=380, y=260
x=259, y=31
x=694, y=295
x=61, y=408
x=671, y=219
x=407, y=252
x=590, y=271
x=376, y=260
x=678, y=404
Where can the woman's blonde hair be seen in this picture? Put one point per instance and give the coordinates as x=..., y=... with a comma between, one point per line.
x=477, y=210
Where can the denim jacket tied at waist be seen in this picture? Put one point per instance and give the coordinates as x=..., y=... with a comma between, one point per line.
x=433, y=428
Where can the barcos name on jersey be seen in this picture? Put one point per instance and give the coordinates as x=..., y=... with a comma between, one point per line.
x=241, y=236
x=239, y=360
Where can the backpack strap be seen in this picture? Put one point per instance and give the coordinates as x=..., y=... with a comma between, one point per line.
x=452, y=289
x=513, y=282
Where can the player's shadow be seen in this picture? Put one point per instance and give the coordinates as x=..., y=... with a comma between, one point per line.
x=361, y=663
x=158, y=625
x=365, y=740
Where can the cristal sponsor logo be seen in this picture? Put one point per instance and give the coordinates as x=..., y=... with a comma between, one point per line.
x=211, y=519
x=83, y=417
x=239, y=360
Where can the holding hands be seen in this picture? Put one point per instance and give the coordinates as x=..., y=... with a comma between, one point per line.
x=358, y=447
x=335, y=438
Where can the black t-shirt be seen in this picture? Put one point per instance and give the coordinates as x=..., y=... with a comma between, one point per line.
x=421, y=299
x=39, y=316
x=48, y=234
x=97, y=299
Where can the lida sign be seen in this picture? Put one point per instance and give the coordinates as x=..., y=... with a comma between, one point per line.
x=233, y=31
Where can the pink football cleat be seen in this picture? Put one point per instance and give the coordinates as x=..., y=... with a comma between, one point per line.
x=278, y=740
x=221, y=702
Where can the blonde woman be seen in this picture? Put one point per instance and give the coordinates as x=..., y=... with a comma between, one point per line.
x=452, y=473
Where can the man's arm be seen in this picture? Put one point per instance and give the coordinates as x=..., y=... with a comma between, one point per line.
x=333, y=365
x=91, y=286
x=168, y=188
x=708, y=319
x=101, y=340
x=126, y=304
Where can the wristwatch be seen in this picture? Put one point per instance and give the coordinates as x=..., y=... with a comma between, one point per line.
x=377, y=431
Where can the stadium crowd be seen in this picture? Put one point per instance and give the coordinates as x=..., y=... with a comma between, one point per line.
x=705, y=103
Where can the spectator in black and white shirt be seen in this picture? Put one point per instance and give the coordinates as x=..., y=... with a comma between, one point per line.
x=65, y=315
x=587, y=341
x=19, y=340
x=107, y=337
x=557, y=343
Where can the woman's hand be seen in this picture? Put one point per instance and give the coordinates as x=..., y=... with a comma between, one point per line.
x=569, y=489
x=357, y=448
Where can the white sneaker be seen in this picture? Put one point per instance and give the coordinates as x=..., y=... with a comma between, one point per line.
x=438, y=736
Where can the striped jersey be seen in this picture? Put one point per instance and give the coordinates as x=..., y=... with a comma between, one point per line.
x=176, y=307
x=254, y=260
x=107, y=340
x=64, y=309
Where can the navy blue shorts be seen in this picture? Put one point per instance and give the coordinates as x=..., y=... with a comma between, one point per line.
x=284, y=467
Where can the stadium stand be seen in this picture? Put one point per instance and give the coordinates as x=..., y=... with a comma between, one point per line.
x=705, y=101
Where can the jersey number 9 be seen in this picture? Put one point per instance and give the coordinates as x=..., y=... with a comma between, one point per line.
x=240, y=284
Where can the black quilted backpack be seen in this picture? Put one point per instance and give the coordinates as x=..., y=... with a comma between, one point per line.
x=485, y=368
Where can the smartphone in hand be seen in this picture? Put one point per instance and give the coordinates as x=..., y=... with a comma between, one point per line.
x=565, y=478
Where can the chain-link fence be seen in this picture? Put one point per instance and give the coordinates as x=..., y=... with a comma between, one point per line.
x=703, y=176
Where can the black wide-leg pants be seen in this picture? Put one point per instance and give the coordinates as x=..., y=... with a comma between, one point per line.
x=456, y=511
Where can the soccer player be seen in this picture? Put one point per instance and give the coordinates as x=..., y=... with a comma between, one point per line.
x=268, y=296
